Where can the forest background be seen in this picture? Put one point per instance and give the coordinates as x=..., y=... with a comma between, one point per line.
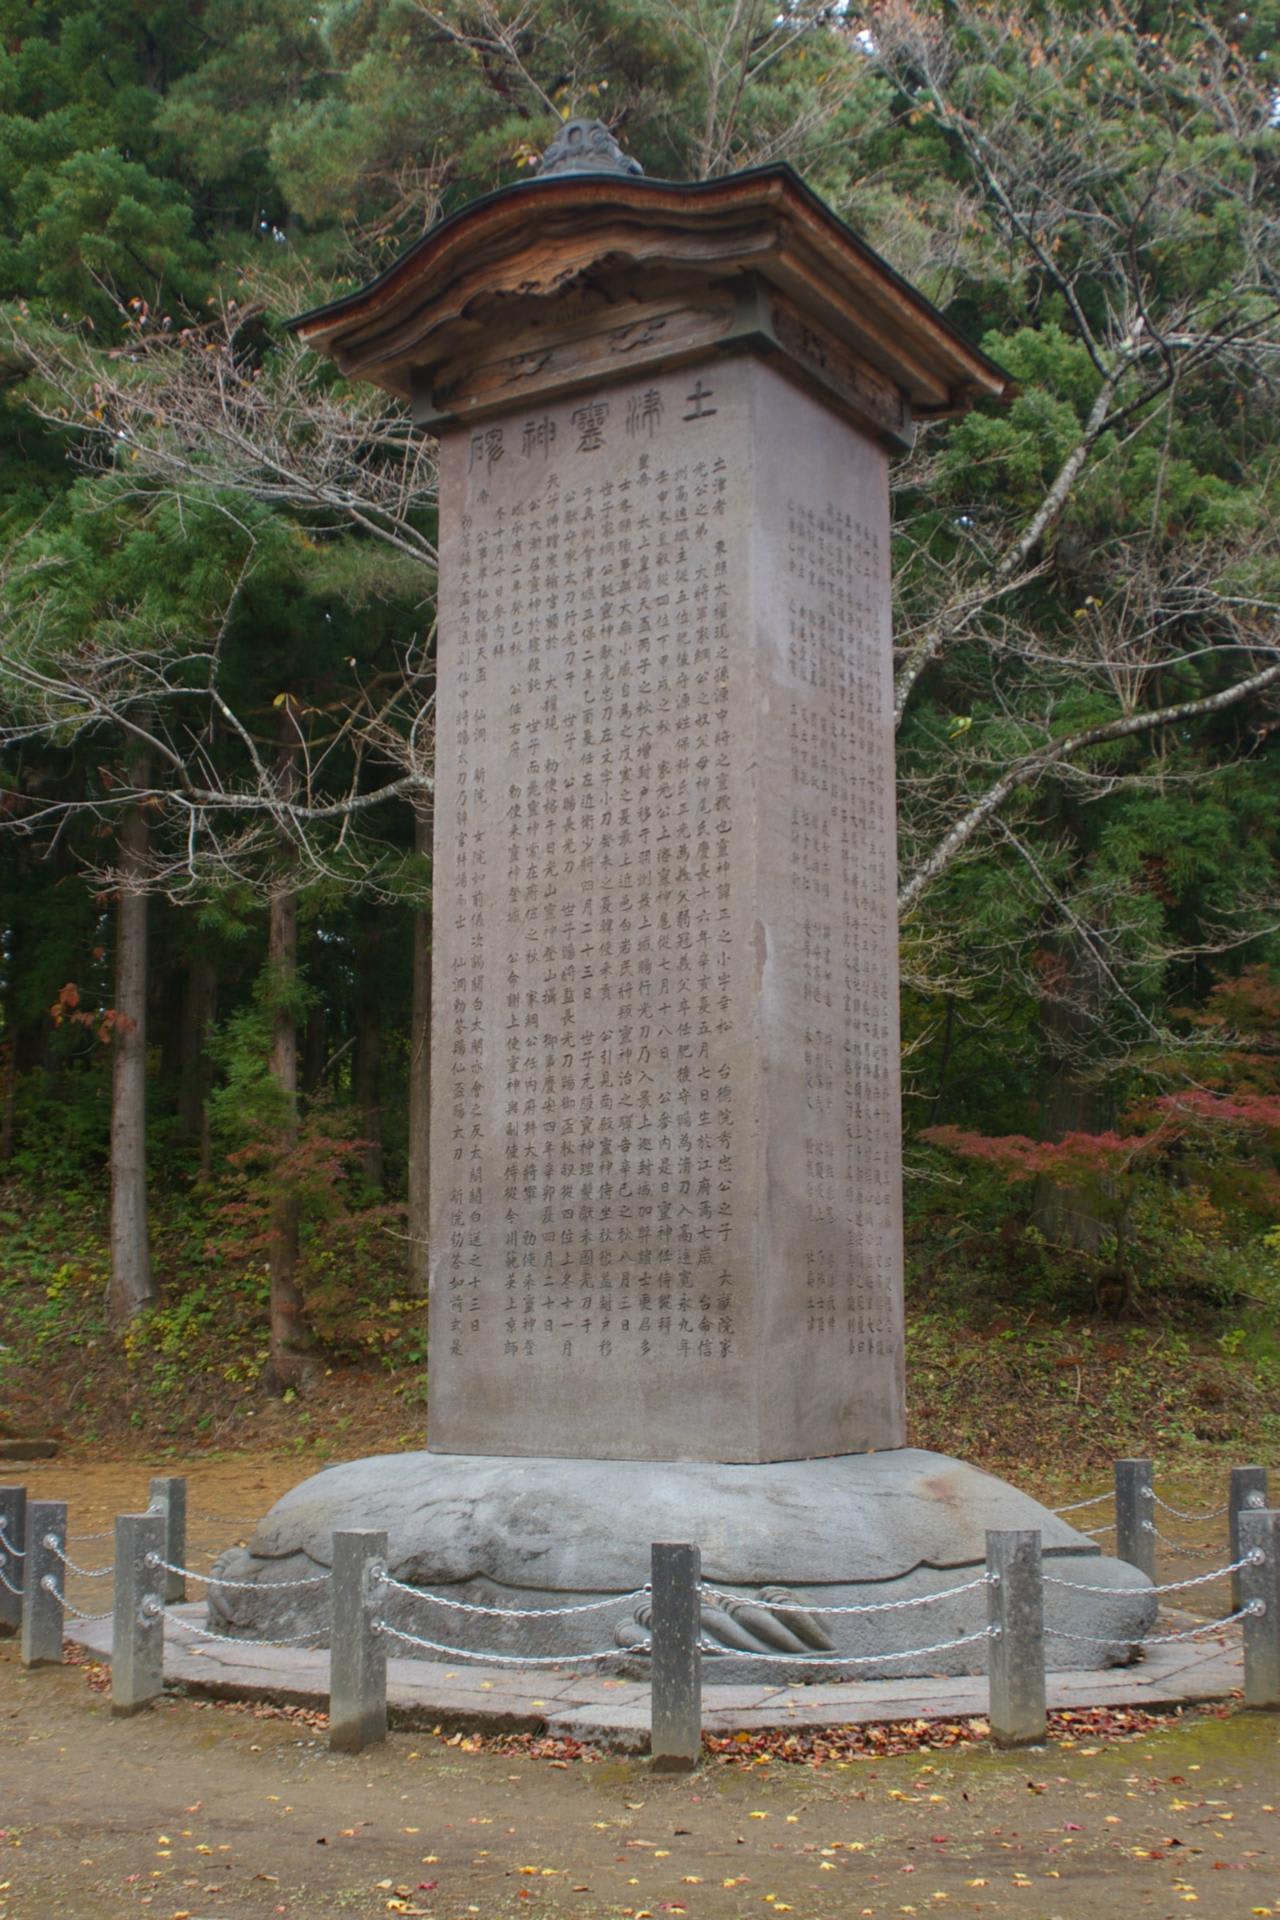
x=216, y=685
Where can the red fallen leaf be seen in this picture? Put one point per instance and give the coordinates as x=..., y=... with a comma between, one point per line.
x=1072, y=1826
x=940, y=1839
x=427, y=1886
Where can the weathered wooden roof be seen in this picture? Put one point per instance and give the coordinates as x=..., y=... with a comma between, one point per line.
x=544, y=239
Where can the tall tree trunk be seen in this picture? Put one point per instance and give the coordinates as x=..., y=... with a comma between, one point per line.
x=420, y=1080
x=292, y=1361
x=195, y=1078
x=132, y=1287
x=314, y=1053
x=9, y=1049
x=367, y=1064
x=1071, y=1101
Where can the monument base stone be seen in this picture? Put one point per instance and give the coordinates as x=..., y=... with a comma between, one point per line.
x=782, y=1543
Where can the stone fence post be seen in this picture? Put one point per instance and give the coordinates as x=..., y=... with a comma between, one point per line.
x=13, y=1526
x=169, y=1499
x=675, y=1658
x=1260, y=1533
x=1247, y=1494
x=357, y=1653
x=44, y=1583
x=1136, y=1515
x=137, y=1626
x=1015, y=1652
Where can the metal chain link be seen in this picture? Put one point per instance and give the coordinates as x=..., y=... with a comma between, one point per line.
x=877, y=1606
x=1214, y=1513
x=86, y=1573
x=8, y=1583
x=243, y=1586
x=1253, y=1559
x=239, y=1640
x=1252, y=1608
x=1179, y=1546
x=512, y=1613
x=80, y=1538
x=1091, y=1531
x=504, y=1659
x=81, y=1615
x=19, y=1553
x=854, y=1659
x=1095, y=1500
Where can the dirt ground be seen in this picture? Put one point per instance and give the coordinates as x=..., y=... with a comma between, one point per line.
x=196, y=1812
x=199, y=1812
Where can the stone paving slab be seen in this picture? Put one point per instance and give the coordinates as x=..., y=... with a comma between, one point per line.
x=614, y=1713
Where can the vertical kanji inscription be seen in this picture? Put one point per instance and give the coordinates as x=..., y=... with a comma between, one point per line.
x=604, y=1187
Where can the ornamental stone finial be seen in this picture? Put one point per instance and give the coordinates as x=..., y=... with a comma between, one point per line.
x=586, y=146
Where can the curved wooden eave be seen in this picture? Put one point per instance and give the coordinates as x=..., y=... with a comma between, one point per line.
x=534, y=240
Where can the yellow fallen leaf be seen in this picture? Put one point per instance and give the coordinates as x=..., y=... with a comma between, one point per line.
x=757, y=1816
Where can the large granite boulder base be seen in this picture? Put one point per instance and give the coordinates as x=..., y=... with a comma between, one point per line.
x=530, y=1533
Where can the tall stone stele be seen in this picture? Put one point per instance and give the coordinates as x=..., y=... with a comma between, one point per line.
x=666, y=1238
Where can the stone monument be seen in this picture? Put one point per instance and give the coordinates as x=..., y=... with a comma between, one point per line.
x=666, y=1266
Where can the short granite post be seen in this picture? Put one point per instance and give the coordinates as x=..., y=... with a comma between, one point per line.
x=137, y=1628
x=1260, y=1534
x=1136, y=1515
x=1015, y=1652
x=675, y=1658
x=357, y=1653
x=1247, y=1494
x=13, y=1540
x=43, y=1583
x=169, y=1498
